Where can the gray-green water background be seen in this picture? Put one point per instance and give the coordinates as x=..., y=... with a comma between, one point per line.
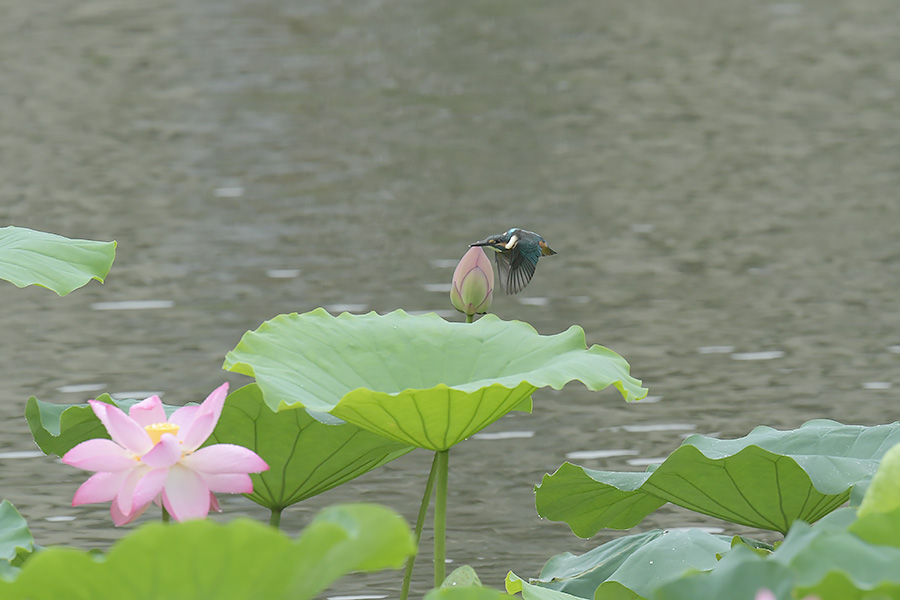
x=720, y=179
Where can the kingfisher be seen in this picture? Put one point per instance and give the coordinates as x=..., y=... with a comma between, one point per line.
x=518, y=251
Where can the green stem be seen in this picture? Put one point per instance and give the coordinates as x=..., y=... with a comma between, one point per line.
x=442, y=459
x=470, y=318
x=420, y=522
x=165, y=515
x=275, y=519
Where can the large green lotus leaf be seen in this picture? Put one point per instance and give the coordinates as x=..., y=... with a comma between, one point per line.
x=767, y=479
x=198, y=560
x=305, y=457
x=435, y=418
x=399, y=374
x=29, y=257
x=635, y=564
x=57, y=428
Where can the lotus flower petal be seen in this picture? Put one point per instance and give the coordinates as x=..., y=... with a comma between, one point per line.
x=100, y=487
x=197, y=432
x=99, y=455
x=185, y=495
x=124, y=430
x=125, y=497
x=184, y=416
x=148, y=412
x=230, y=483
x=119, y=518
x=164, y=454
x=224, y=458
x=149, y=487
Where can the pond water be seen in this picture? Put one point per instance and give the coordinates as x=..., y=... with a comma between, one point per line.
x=719, y=179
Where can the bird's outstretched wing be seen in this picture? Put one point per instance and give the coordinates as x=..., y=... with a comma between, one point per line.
x=516, y=270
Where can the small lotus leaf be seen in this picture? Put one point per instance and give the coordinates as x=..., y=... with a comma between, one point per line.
x=767, y=479
x=466, y=593
x=529, y=591
x=464, y=576
x=305, y=457
x=29, y=257
x=398, y=374
x=198, y=560
x=15, y=538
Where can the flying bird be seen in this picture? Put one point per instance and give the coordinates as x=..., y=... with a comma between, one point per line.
x=518, y=251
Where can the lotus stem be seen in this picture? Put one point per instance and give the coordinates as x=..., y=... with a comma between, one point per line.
x=275, y=518
x=470, y=318
x=420, y=523
x=442, y=459
x=165, y=515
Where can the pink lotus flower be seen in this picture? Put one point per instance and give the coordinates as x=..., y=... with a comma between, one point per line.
x=473, y=283
x=151, y=458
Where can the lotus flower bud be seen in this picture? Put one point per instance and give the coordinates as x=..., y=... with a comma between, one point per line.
x=473, y=283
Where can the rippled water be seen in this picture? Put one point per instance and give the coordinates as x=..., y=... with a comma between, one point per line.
x=719, y=179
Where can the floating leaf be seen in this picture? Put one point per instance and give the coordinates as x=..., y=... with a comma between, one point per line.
x=767, y=479
x=399, y=374
x=29, y=257
x=197, y=560
x=305, y=457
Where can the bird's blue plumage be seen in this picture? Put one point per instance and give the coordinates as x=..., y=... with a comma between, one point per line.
x=518, y=252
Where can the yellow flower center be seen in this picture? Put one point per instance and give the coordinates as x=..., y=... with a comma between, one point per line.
x=157, y=429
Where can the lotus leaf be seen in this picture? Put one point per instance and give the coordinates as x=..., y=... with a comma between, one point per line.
x=305, y=457
x=399, y=374
x=198, y=560
x=57, y=428
x=29, y=257
x=633, y=565
x=15, y=538
x=826, y=561
x=767, y=479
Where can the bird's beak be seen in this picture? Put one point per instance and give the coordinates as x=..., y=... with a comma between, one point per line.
x=492, y=242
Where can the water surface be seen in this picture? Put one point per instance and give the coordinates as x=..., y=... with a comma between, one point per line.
x=712, y=175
